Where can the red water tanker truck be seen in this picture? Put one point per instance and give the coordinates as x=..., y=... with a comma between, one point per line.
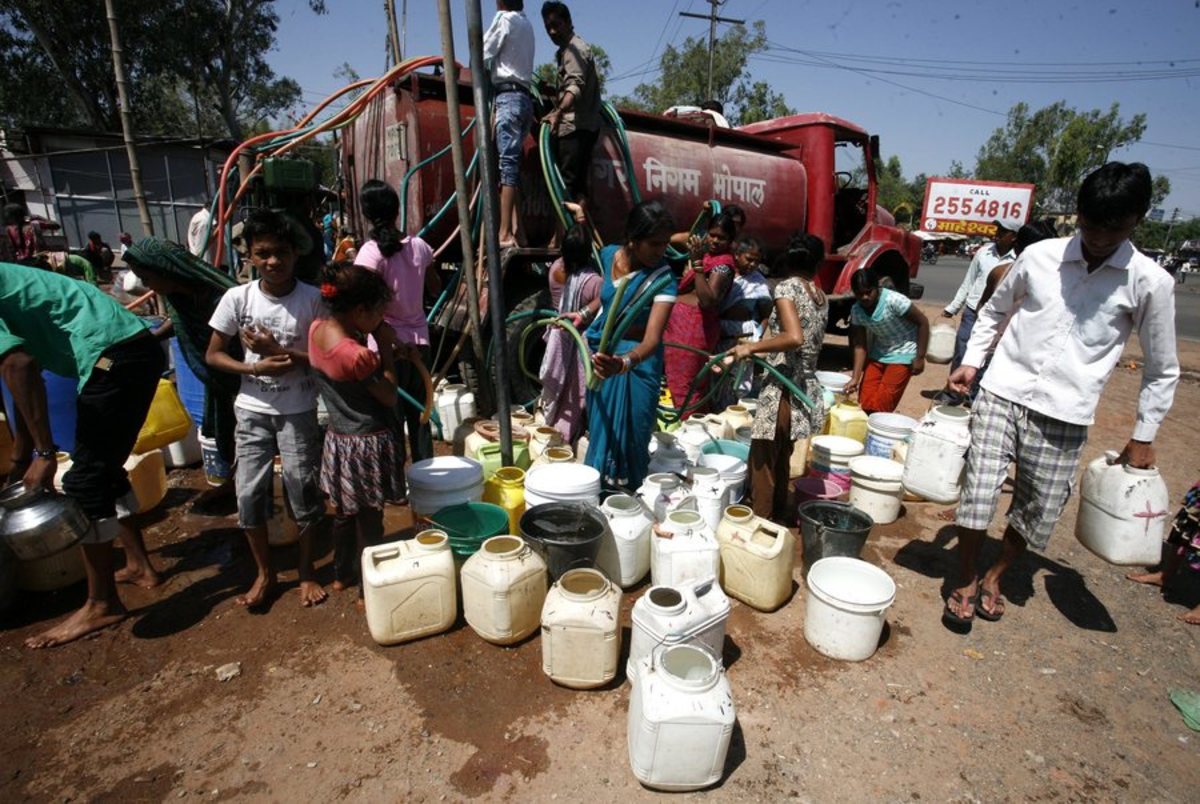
x=812, y=172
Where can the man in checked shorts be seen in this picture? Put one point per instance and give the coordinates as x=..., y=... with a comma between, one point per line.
x=1070, y=304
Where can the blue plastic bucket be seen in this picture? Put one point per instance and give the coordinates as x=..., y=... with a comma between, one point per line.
x=61, y=396
x=189, y=386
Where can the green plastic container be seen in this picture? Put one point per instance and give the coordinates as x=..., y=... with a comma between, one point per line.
x=723, y=446
x=289, y=175
x=469, y=524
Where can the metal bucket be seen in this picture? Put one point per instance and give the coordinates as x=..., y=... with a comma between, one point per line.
x=829, y=528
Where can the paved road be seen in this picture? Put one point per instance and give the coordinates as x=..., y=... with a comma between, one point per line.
x=942, y=280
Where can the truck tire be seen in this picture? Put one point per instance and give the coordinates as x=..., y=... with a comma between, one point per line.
x=523, y=390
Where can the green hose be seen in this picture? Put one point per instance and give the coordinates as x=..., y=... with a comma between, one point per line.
x=450, y=201
x=584, y=353
x=705, y=214
x=413, y=170
x=614, y=119
x=627, y=317
x=433, y=414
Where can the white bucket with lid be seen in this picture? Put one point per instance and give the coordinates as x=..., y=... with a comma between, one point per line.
x=561, y=482
x=844, y=613
x=875, y=487
x=831, y=454
x=885, y=431
x=440, y=482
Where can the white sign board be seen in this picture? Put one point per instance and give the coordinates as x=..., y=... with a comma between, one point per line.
x=971, y=207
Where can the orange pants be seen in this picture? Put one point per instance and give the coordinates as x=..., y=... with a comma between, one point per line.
x=882, y=386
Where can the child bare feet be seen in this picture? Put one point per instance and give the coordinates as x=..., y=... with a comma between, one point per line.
x=1151, y=578
x=263, y=586
x=1191, y=617
x=93, y=616
x=311, y=594
x=339, y=585
x=146, y=578
x=361, y=605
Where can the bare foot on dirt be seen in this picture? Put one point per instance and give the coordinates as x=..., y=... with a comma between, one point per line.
x=145, y=578
x=1191, y=617
x=339, y=586
x=946, y=516
x=312, y=594
x=258, y=593
x=1151, y=578
x=361, y=605
x=94, y=616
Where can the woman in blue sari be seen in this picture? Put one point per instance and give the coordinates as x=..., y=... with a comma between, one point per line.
x=623, y=409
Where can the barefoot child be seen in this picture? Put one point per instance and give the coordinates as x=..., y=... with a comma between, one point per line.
x=276, y=408
x=1184, y=542
x=362, y=465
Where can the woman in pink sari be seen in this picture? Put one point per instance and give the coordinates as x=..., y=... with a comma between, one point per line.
x=563, y=388
x=696, y=317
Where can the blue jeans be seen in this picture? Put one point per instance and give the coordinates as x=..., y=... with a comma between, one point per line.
x=514, y=116
x=963, y=337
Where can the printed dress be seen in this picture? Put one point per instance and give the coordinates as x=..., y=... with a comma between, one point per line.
x=798, y=365
x=1185, y=533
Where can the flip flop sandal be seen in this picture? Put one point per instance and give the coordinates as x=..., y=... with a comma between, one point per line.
x=984, y=596
x=957, y=597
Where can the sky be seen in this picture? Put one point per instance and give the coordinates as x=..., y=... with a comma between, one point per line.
x=933, y=78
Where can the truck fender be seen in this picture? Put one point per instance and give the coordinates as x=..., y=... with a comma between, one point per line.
x=879, y=255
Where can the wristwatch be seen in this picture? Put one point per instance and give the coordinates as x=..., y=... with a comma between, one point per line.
x=49, y=454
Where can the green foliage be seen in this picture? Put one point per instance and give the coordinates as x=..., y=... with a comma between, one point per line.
x=546, y=73
x=1151, y=234
x=683, y=79
x=195, y=67
x=1054, y=148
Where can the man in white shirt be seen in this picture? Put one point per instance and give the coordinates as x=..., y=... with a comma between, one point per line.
x=1070, y=304
x=969, y=292
x=508, y=54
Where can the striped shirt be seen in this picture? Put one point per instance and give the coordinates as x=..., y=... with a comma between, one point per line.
x=894, y=337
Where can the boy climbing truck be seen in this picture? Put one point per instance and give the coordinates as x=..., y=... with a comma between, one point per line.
x=810, y=172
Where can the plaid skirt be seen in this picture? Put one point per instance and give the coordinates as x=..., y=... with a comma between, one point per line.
x=361, y=472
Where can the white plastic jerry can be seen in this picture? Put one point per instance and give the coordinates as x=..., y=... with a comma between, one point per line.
x=683, y=549
x=757, y=558
x=409, y=588
x=624, y=553
x=581, y=632
x=1123, y=512
x=681, y=717
x=503, y=588
x=663, y=493
x=692, y=613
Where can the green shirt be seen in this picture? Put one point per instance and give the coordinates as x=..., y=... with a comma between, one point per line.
x=61, y=322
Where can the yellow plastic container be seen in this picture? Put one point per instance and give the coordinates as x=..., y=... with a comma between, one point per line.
x=506, y=488
x=167, y=422
x=849, y=420
x=757, y=559
x=148, y=476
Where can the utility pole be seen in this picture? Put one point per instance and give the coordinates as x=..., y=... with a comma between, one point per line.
x=389, y=10
x=713, y=19
x=1170, y=227
x=135, y=170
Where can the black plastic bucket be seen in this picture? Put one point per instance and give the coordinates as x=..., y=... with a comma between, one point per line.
x=565, y=534
x=829, y=528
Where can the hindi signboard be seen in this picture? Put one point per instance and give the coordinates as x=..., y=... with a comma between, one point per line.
x=971, y=206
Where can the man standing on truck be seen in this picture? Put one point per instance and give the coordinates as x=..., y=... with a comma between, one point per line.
x=1070, y=304
x=967, y=297
x=575, y=119
x=508, y=54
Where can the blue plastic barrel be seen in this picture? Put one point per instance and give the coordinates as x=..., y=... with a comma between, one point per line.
x=60, y=399
x=189, y=386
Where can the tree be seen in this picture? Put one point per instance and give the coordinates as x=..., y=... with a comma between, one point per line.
x=546, y=73
x=194, y=66
x=1054, y=148
x=683, y=78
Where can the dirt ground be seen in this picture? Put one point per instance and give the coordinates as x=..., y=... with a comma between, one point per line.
x=1064, y=699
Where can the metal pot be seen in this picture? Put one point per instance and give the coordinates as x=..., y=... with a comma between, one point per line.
x=36, y=523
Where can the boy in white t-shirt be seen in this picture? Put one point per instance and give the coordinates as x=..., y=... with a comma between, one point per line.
x=276, y=407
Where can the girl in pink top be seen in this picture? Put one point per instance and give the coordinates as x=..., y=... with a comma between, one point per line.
x=403, y=262
x=362, y=464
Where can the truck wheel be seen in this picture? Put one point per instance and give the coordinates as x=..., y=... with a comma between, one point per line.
x=523, y=390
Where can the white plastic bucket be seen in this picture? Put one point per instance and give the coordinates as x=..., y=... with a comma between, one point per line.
x=835, y=381
x=440, y=482
x=941, y=343
x=831, y=454
x=875, y=487
x=885, y=431
x=847, y=601
x=561, y=482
